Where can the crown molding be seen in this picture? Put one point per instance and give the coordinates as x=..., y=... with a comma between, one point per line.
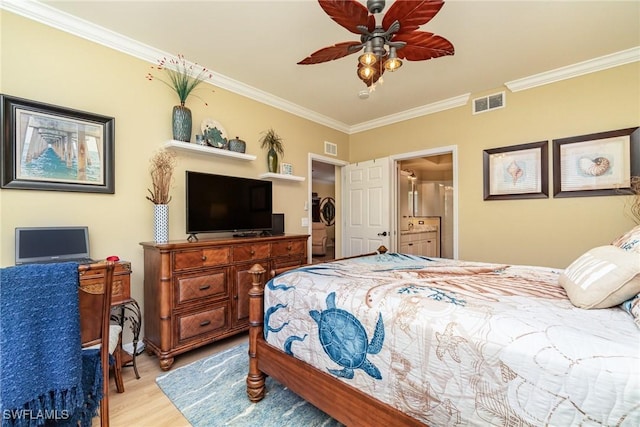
x=575, y=70
x=71, y=24
x=423, y=110
x=81, y=28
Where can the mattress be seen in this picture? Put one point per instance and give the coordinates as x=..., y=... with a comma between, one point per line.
x=460, y=343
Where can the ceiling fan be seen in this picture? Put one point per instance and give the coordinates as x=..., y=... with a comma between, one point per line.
x=385, y=44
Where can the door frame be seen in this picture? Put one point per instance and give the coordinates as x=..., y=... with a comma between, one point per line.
x=338, y=165
x=453, y=149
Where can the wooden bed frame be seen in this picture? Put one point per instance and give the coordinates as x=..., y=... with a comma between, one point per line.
x=343, y=402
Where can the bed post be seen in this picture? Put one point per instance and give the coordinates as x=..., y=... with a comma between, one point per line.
x=255, y=378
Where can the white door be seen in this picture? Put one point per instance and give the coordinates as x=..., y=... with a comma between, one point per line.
x=366, y=206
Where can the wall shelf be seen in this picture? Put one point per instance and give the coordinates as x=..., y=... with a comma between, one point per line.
x=282, y=176
x=209, y=151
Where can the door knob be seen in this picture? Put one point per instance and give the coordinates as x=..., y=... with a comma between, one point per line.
x=384, y=233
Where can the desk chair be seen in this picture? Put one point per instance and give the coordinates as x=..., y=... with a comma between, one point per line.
x=95, y=282
x=95, y=315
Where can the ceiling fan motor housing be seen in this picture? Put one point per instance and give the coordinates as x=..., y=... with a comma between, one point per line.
x=375, y=6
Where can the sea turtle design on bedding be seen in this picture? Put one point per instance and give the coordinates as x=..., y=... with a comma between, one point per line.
x=344, y=339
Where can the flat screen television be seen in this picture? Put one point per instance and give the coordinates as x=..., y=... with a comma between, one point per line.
x=220, y=203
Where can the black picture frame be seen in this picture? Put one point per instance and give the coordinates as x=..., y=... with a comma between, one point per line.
x=597, y=164
x=516, y=172
x=48, y=147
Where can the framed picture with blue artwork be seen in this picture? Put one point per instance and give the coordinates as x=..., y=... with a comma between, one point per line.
x=47, y=147
x=517, y=172
x=598, y=164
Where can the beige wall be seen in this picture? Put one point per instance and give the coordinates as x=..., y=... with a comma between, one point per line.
x=50, y=66
x=549, y=231
x=43, y=64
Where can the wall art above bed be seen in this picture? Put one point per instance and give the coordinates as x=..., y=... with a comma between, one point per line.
x=599, y=164
x=516, y=172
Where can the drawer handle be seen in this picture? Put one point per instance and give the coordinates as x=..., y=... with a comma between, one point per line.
x=204, y=258
x=289, y=247
x=410, y=244
x=205, y=322
x=204, y=287
x=253, y=252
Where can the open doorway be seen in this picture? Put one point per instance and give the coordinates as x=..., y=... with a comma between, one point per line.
x=426, y=203
x=324, y=208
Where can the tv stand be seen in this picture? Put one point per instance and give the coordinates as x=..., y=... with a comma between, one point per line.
x=246, y=234
x=196, y=293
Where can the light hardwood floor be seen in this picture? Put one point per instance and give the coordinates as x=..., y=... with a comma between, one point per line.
x=143, y=403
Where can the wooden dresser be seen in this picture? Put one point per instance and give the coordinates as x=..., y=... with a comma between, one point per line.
x=197, y=292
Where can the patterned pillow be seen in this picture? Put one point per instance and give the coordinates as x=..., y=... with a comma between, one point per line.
x=632, y=307
x=603, y=277
x=629, y=241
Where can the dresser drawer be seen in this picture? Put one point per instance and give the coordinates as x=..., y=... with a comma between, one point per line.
x=288, y=248
x=196, y=325
x=251, y=252
x=197, y=258
x=200, y=286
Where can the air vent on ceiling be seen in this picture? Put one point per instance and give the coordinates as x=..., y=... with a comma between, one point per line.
x=487, y=103
x=330, y=148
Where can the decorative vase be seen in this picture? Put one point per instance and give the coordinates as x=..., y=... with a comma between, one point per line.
x=161, y=223
x=181, y=123
x=237, y=145
x=272, y=161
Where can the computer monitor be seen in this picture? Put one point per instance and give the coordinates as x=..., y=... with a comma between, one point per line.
x=51, y=244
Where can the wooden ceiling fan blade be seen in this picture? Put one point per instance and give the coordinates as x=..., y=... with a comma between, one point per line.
x=422, y=46
x=330, y=53
x=349, y=14
x=411, y=14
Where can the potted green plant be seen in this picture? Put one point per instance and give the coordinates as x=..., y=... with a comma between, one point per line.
x=273, y=143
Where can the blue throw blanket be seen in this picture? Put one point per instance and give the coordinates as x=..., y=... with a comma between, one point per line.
x=41, y=362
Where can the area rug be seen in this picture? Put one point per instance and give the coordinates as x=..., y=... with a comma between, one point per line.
x=212, y=392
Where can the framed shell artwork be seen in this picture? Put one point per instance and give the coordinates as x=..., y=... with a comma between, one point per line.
x=597, y=164
x=516, y=172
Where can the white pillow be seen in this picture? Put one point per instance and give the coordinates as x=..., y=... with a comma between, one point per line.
x=603, y=277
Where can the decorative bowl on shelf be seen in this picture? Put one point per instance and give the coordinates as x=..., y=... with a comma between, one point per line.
x=214, y=138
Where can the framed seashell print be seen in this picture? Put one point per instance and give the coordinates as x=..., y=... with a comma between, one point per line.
x=598, y=164
x=517, y=172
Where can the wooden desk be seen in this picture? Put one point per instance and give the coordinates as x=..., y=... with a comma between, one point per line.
x=121, y=282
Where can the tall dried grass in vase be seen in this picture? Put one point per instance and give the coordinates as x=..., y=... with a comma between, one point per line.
x=635, y=200
x=161, y=169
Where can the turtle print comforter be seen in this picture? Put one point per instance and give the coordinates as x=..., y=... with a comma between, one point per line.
x=455, y=343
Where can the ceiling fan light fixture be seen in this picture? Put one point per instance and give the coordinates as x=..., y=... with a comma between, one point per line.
x=366, y=72
x=368, y=57
x=393, y=62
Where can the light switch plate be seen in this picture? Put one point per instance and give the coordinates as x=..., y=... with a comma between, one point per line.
x=305, y=222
